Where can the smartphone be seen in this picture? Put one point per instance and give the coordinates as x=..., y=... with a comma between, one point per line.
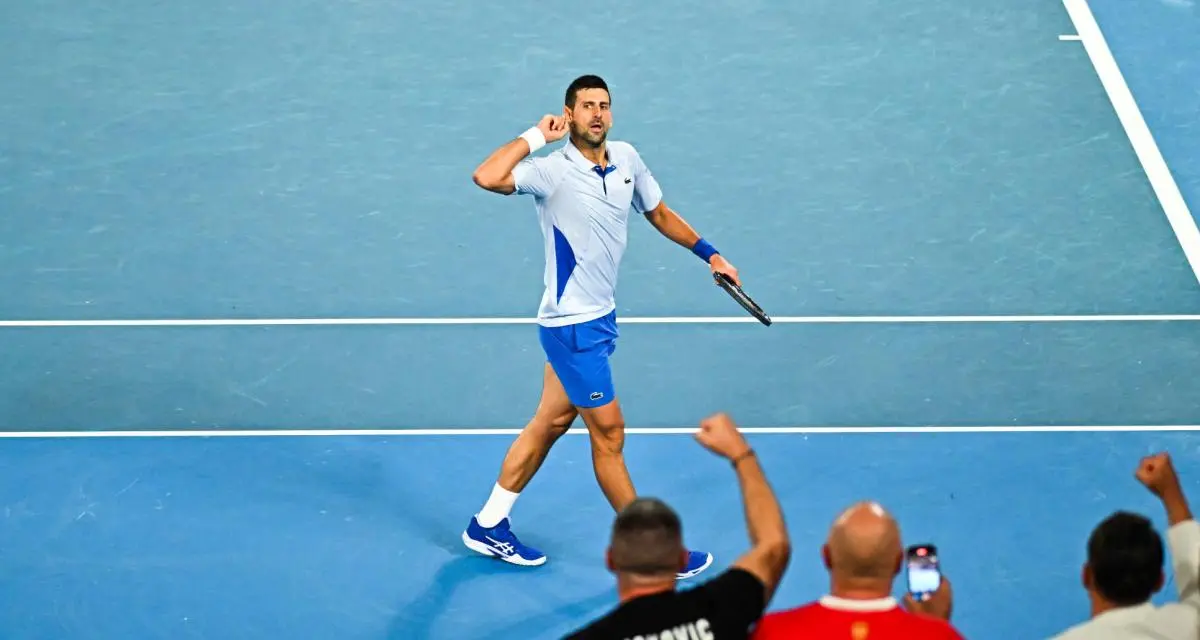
x=924, y=571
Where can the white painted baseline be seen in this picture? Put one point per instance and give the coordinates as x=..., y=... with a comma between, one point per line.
x=328, y=322
x=649, y=431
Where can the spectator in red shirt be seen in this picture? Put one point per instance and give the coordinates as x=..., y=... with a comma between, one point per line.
x=863, y=555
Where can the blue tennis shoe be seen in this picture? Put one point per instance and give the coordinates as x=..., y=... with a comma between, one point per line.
x=500, y=542
x=697, y=562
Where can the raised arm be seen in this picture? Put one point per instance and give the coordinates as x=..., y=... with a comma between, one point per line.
x=1157, y=473
x=496, y=172
x=770, y=549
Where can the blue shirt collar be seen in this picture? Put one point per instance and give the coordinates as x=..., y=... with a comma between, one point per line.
x=577, y=157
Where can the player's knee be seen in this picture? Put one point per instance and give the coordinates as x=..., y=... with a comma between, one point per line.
x=551, y=426
x=561, y=424
x=563, y=421
x=608, y=436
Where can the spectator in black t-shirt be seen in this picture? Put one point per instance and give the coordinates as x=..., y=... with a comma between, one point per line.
x=647, y=551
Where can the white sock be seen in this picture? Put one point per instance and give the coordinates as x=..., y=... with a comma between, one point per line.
x=497, y=508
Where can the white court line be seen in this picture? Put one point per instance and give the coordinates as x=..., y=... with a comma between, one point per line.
x=1069, y=38
x=1139, y=134
x=674, y=431
x=264, y=322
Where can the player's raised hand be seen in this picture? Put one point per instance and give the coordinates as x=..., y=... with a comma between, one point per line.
x=553, y=127
x=719, y=264
x=1158, y=474
x=719, y=434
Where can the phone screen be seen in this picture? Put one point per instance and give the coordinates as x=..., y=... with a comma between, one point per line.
x=924, y=576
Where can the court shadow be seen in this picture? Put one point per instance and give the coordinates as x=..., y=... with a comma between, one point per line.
x=370, y=482
x=419, y=618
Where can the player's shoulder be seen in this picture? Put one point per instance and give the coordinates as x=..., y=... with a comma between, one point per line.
x=622, y=149
x=554, y=157
x=622, y=145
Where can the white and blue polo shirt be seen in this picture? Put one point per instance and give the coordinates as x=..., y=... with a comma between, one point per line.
x=584, y=213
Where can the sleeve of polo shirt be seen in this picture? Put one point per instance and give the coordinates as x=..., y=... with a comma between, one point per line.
x=1183, y=540
x=646, y=192
x=534, y=177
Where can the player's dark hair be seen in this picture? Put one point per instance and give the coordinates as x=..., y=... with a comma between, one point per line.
x=1125, y=554
x=647, y=538
x=581, y=83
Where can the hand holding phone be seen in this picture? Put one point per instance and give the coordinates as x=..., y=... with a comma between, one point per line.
x=923, y=569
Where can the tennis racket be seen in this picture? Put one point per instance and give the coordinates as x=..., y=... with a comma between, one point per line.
x=746, y=301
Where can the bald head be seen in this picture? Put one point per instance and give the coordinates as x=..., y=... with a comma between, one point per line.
x=864, y=544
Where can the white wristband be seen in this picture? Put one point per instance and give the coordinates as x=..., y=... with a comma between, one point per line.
x=533, y=136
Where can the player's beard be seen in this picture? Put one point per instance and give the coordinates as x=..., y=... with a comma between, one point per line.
x=585, y=134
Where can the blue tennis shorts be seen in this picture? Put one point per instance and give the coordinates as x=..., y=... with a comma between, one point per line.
x=579, y=354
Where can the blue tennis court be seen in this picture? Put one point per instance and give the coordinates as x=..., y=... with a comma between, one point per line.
x=266, y=343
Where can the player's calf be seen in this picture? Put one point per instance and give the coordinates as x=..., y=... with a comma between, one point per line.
x=606, y=428
x=489, y=532
x=608, y=438
x=527, y=453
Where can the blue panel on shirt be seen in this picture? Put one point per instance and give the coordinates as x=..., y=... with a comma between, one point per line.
x=564, y=258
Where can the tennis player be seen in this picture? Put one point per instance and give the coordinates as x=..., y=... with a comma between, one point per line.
x=583, y=192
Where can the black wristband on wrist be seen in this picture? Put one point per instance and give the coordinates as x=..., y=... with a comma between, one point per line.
x=749, y=453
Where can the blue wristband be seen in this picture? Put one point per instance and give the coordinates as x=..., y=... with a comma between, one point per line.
x=704, y=250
